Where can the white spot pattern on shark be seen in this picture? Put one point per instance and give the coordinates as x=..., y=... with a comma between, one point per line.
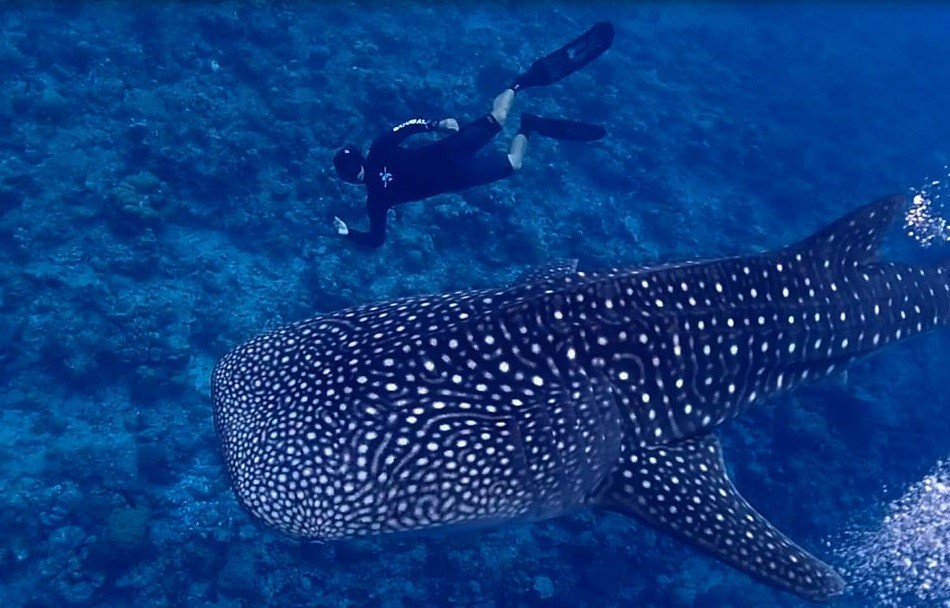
x=566, y=390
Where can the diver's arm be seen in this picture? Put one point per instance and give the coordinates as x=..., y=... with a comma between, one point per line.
x=376, y=235
x=399, y=133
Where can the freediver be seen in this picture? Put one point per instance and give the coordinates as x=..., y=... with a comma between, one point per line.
x=394, y=174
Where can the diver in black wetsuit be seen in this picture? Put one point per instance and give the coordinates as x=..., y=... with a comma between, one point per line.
x=394, y=174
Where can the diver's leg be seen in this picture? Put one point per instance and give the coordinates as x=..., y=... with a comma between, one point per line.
x=472, y=137
x=469, y=139
x=472, y=171
x=484, y=169
x=519, y=145
x=487, y=168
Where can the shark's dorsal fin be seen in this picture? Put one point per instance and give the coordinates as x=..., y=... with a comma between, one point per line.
x=852, y=240
x=683, y=490
x=545, y=272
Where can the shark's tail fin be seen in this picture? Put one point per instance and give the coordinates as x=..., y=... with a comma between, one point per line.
x=900, y=300
x=851, y=241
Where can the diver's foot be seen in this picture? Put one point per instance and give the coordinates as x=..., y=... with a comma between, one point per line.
x=516, y=152
x=502, y=105
x=340, y=227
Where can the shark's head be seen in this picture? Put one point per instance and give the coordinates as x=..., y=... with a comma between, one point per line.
x=287, y=458
x=375, y=419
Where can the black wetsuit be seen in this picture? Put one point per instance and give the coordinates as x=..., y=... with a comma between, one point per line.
x=395, y=175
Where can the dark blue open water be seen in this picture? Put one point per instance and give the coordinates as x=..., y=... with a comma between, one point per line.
x=166, y=192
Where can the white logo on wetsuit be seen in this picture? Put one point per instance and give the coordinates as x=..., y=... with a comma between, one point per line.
x=386, y=176
x=411, y=121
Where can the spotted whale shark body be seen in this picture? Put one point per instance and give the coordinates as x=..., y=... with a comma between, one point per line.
x=564, y=391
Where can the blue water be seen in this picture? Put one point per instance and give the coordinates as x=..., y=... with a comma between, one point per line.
x=166, y=192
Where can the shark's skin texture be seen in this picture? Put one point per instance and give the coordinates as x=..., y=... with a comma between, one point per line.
x=564, y=391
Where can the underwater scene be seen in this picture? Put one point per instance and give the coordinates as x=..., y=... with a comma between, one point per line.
x=474, y=304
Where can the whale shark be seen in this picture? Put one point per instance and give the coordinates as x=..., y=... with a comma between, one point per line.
x=563, y=391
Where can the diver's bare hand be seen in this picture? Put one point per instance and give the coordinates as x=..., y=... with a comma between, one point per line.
x=449, y=124
x=340, y=226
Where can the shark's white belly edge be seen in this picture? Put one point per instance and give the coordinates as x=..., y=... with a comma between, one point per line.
x=564, y=391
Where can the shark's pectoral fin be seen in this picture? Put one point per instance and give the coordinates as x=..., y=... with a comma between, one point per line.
x=683, y=490
x=545, y=272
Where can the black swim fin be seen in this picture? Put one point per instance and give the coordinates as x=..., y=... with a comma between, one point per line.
x=569, y=58
x=565, y=130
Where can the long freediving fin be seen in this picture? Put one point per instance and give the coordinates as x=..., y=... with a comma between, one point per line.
x=683, y=490
x=558, y=128
x=569, y=58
